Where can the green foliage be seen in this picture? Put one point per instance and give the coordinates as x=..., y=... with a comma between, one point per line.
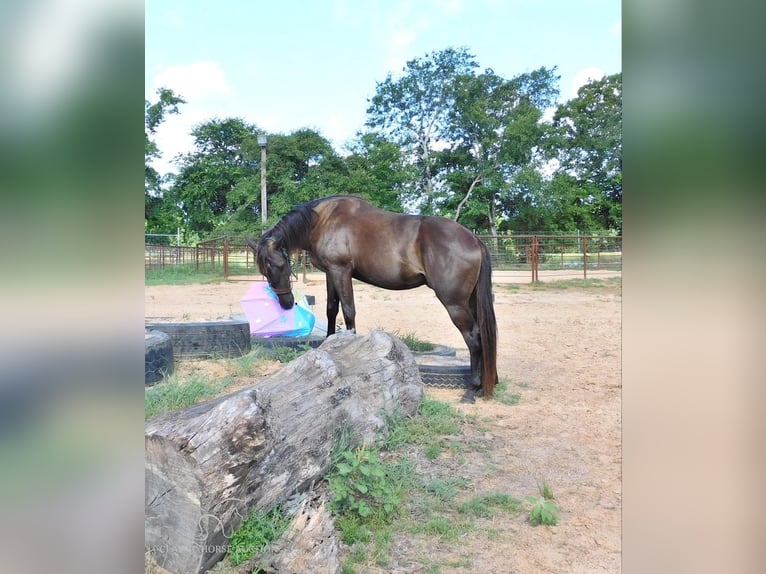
x=157, y=214
x=503, y=395
x=173, y=395
x=435, y=420
x=209, y=186
x=586, y=139
x=287, y=354
x=490, y=170
x=415, y=344
x=361, y=487
x=494, y=132
x=443, y=527
x=444, y=490
x=486, y=505
x=413, y=112
x=421, y=503
x=247, y=365
x=544, y=510
x=256, y=533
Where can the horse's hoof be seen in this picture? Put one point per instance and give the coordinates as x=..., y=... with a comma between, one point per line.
x=468, y=399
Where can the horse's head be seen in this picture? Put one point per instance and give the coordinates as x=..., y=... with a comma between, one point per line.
x=274, y=264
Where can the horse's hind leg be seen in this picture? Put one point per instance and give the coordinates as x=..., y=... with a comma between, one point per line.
x=332, y=305
x=346, y=293
x=340, y=286
x=463, y=319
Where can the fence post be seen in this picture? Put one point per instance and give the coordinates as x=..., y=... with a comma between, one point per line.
x=535, y=246
x=225, y=258
x=598, y=255
x=584, y=256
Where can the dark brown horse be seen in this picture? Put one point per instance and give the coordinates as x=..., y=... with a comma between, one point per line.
x=349, y=238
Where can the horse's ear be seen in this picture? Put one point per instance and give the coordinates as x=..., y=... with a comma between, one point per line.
x=252, y=243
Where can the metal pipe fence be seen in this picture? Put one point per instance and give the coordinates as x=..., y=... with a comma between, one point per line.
x=512, y=255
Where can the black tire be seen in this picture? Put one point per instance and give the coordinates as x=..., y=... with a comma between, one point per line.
x=438, y=351
x=443, y=371
x=312, y=341
x=159, y=360
x=207, y=340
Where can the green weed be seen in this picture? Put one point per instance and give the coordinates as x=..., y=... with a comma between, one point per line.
x=544, y=510
x=415, y=344
x=361, y=487
x=256, y=533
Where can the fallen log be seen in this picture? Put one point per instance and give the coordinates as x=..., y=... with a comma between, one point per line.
x=207, y=466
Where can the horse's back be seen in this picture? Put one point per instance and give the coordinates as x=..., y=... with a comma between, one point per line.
x=395, y=250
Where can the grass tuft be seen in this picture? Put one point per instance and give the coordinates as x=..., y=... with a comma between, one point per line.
x=173, y=395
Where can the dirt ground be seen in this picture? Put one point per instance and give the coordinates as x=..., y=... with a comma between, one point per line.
x=559, y=349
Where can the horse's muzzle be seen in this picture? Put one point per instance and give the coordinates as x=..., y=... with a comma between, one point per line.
x=286, y=300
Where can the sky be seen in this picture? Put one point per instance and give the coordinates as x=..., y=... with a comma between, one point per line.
x=314, y=64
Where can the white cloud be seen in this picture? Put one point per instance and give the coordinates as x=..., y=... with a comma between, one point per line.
x=400, y=42
x=616, y=28
x=173, y=136
x=198, y=83
x=583, y=77
x=194, y=81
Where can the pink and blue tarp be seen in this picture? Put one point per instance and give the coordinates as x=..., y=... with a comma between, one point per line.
x=267, y=318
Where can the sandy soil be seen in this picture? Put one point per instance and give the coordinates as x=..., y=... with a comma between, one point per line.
x=560, y=351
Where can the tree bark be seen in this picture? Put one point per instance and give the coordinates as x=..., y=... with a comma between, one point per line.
x=208, y=466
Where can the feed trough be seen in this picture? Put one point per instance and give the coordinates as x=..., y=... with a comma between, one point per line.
x=267, y=318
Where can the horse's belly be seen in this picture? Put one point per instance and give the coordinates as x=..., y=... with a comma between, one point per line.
x=395, y=283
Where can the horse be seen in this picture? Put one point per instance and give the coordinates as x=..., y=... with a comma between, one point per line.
x=348, y=238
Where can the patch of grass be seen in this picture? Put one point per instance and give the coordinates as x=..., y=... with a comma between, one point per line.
x=577, y=283
x=247, y=365
x=544, y=510
x=435, y=419
x=415, y=344
x=181, y=275
x=256, y=533
x=486, y=505
x=287, y=354
x=173, y=395
x=444, y=490
x=428, y=506
x=444, y=527
x=503, y=395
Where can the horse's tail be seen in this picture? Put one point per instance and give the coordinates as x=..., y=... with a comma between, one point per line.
x=485, y=315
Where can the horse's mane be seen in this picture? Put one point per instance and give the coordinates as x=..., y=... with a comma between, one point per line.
x=290, y=232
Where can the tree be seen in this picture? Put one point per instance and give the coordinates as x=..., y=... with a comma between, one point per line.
x=587, y=142
x=300, y=167
x=218, y=177
x=156, y=213
x=413, y=111
x=376, y=170
x=494, y=127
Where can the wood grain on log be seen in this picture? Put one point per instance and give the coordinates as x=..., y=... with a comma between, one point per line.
x=207, y=466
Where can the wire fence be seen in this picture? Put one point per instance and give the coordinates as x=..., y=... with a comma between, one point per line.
x=513, y=256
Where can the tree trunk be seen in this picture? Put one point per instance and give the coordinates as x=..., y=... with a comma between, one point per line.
x=207, y=466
